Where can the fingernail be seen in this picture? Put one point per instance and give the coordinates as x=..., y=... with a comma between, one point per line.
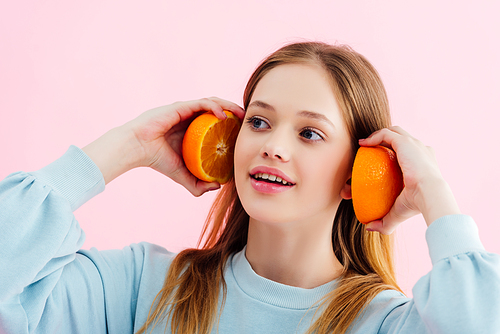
x=370, y=230
x=213, y=188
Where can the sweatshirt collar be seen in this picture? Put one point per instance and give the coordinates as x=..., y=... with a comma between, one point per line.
x=274, y=293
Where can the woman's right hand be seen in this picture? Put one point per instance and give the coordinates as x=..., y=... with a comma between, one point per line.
x=154, y=139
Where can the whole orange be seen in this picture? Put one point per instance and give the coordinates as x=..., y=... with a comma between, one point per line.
x=376, y=182
x=208, y=147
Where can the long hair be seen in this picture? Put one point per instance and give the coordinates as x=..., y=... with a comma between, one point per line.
x=195, y=284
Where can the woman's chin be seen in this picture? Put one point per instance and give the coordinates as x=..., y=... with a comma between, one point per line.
x=271, y=217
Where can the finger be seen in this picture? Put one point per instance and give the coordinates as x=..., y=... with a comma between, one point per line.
x=186, y=110
x=200, y=187
x=194, y=185
x=400, y=131
x=204, y=187
x=399, y=212
x=385, y=137
x=375, y=226
x=384, y=226
x=230, y=106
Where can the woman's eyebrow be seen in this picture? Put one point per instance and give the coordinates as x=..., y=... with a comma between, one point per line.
x=316, y=116
x=303, y=113
x=260, y=104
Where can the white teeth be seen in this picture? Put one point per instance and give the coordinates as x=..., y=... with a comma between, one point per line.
x=270, y=177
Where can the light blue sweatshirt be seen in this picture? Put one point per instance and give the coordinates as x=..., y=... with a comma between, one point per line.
x=49, y=285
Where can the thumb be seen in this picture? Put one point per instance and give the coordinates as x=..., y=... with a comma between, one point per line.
x=202, y=187
x=194, y=185
x=399, y=212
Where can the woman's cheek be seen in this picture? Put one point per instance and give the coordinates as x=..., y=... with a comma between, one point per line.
x=239, y=156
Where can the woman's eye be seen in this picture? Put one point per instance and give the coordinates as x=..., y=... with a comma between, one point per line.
x=257, y=123
x=311, y=135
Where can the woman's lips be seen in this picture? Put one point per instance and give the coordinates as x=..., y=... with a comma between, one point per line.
x=268, y=187
x=271, y=171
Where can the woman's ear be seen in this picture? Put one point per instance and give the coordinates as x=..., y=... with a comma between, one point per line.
x=345, y=192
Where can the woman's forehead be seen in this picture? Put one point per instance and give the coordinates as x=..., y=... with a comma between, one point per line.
x=305, y=87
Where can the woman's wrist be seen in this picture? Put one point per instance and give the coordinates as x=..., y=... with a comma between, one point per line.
x=437, y=200
x=115, y=152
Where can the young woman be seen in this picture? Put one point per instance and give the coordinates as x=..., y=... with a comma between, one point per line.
x=283, y=256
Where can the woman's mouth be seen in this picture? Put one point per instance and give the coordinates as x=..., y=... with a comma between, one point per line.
x=269, y=178
x=268, y=183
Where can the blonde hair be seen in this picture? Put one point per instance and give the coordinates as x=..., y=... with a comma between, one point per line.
x=191, y=291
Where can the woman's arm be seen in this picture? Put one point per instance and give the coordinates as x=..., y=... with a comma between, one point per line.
x=39, y=239
x=425, y=189
x=154, y=139
x=45, y=284
x=461, y=294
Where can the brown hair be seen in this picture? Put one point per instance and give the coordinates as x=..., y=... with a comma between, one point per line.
x=190, y=294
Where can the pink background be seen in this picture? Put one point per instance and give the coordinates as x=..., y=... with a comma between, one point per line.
x=71, y=70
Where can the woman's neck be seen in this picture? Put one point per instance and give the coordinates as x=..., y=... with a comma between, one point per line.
x=294, y=254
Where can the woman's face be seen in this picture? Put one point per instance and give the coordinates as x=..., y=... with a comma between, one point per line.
x=293, y=154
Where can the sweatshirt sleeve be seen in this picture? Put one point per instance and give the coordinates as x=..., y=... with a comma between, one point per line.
x=461, y=294
x=40, y=237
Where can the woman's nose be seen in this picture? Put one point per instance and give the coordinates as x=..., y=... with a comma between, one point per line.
x=276, y=148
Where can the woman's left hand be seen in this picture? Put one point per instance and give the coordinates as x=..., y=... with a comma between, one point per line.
x=425, y=189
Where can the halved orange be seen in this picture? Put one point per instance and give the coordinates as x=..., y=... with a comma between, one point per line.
x=208, y=147
x=376, y=182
